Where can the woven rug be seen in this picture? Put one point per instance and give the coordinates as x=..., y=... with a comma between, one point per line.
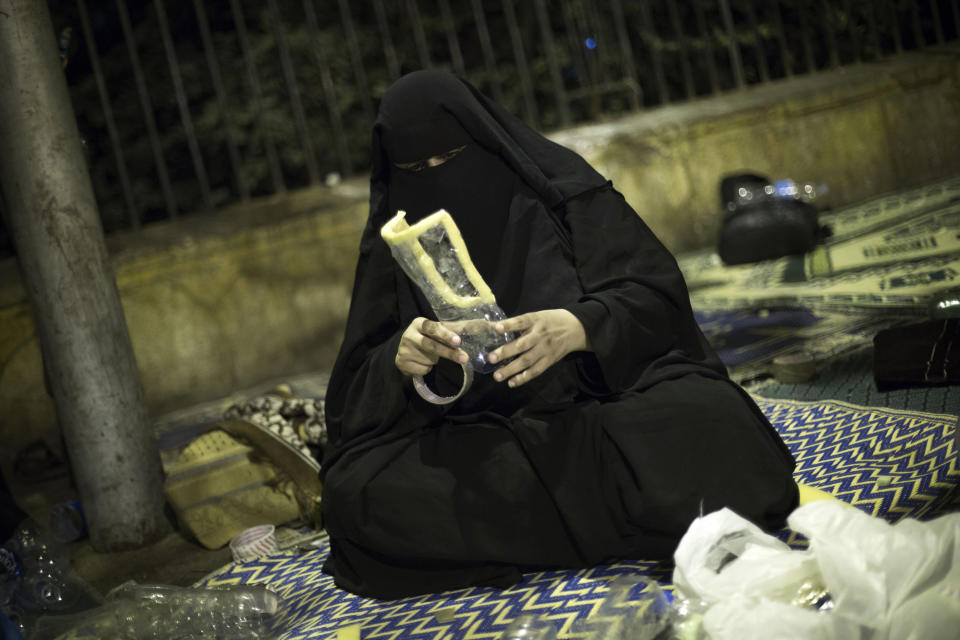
x=891, y=464
x=748, y=340
x=895, y=251
x=886, y=260
x=850, y=379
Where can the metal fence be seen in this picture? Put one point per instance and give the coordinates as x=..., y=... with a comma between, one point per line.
x=190, y=105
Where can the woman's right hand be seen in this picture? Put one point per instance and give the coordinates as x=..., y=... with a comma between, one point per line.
x=423, y=343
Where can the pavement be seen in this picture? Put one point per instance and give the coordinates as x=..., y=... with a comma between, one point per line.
x=175, y=559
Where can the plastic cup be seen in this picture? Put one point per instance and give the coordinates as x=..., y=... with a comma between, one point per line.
x=254, y=542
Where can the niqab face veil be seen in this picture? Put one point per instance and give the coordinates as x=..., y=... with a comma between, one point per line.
x=429, y=113
x=474, y=185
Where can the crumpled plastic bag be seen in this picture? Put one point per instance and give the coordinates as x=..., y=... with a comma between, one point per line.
x=860, y=578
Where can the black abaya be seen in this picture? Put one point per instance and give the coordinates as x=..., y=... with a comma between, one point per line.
x=608, y=454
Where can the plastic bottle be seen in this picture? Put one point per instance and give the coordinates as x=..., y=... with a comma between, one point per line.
x=635, y=608
x=164, y=612
x=10, y=573
x=36, y=578
x=529, y=627
x=67, y=522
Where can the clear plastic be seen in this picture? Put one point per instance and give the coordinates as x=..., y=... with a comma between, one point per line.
x=634, y=609
x=36, y=578
x=163, y=612
x=529, y=627
x=66, y=521
x=433, y=255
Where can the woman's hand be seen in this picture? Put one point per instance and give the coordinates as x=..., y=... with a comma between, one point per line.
x=545, y=338
x=423, y=343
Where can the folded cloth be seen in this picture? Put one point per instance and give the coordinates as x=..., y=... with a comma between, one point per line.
x=925, y=354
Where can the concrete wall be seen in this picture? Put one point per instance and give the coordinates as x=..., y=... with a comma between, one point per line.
x=223, y=302
x=862, y=130
x=215, y=304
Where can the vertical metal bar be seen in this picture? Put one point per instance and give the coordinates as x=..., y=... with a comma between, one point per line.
x=955, y=5
x=831, y=34
x=592, y=57
x=389, y=52
x=523, y=68
x=183, y=106
x=489, y=59
x=603, y=37
x=83, y=335
x=937, y=24
x=121, y=163
x=805, y=36
x=895, y=26
x=419, y=37
x=221, y=93
x=919, y=41
x=576, y=47
x=546, y=34
x=653, y=43
x=299, y=116
x=147, y=109
x=626, y=55
x=873, y=32
x=785, y=54
x=707, y=40
x=363, y=88
x=256, y=91
x=453, y=42
x=732, y=44
x=329, y=90
x=684, y=50
x=854, y=34
x=758, y=47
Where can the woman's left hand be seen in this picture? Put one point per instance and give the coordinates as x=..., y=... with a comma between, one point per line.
x=545, y=337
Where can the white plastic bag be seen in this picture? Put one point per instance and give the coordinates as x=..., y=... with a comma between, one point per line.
x=884, y=581
x=770, y=620
x=885, y=576
x=724, y=556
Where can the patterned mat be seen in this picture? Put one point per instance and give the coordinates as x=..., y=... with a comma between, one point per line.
x=850, y=379
x=891, y=464
x=892, y=252
x=884, y=262
x=748, y=340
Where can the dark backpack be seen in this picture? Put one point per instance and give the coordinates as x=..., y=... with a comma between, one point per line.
x=757, y=225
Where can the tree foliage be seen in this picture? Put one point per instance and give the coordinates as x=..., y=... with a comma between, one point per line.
x=677, y=50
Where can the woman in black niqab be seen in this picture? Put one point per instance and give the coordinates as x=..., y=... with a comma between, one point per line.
x=612, y=423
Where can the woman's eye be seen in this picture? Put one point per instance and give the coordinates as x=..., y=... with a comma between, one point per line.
x=412, y=166
x=435, y=161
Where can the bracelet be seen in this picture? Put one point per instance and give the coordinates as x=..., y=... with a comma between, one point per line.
x=421, y=386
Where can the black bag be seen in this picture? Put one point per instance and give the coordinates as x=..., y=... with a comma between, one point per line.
x=758, y=226
x=925, y=354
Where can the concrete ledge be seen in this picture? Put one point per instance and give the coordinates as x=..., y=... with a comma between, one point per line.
x=862, y=130
x=213, y=303
x=260, y=290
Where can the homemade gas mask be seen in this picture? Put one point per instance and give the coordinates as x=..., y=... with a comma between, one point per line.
x=434, y=256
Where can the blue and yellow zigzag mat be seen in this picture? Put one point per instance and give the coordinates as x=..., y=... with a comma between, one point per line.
x=891, y=464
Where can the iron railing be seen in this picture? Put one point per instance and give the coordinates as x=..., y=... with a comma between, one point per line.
x=188, y=106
